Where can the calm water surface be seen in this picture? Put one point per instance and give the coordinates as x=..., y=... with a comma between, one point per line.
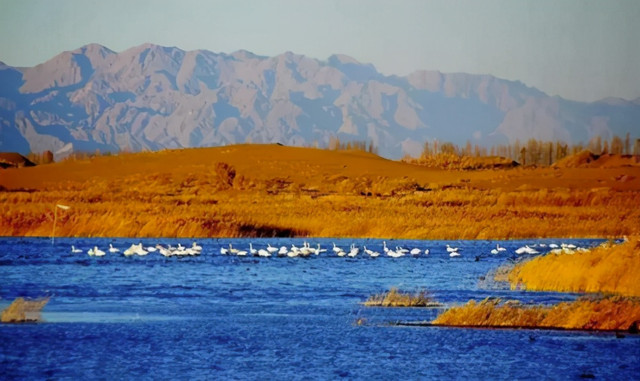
x=228, y=317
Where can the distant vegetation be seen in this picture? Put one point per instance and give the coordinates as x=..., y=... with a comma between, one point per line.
x=532, y=152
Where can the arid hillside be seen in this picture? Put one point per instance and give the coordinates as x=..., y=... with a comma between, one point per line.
x=272, y=190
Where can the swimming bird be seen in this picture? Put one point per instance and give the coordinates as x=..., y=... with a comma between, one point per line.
x=553, y=246
x=283, y=251
x=196, y=247
x=336, y=249
x=150, y=249
x=401, y=250
x=271, y=249
x=241, y=253
x=494, y=251
x=371, y=253
x=140, y=251
x=394, y=254
x=233, y=251
x=451, y=249
x=500, y=248
x=264, y=253
x=319, y=250
x=252, y=250
x=384, y=247
x=97, y=252
x=90, y=252
x=224, y=251
x=415, y=251
x=526, y=249
x=454, y=254
x=426, y=251
x=113, y=249
x=132, y=250
x=163, y=251
x=74, y=250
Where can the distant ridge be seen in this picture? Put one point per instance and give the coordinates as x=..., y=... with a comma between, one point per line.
x=154, y=97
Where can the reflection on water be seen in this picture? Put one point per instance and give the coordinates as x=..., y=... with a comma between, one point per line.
x=224, y=316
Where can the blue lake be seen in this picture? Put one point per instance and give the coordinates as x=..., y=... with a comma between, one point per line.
x=219, y=316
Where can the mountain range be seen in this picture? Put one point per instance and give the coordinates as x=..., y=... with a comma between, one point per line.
x=152, y=97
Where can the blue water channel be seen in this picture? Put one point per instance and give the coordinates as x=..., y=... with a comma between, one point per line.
x=217, y=316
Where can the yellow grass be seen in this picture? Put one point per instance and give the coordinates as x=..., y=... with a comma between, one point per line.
x=270, y=190
x=615, y=313
x=22, y=311
x=396, y=298
x=608, y=268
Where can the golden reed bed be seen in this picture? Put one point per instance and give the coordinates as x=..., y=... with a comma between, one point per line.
x=607, y=269
x=609, y=314
x=271, y=190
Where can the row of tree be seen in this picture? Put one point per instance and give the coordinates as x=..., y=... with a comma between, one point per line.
x=536, y=152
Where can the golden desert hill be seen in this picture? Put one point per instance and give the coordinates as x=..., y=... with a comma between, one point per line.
x=273, y=190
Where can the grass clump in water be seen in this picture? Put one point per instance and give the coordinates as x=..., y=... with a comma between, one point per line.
x=396, y=298
x=23, y=311
x=611, y=313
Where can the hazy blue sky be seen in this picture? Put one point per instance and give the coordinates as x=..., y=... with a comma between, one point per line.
x=578, y=49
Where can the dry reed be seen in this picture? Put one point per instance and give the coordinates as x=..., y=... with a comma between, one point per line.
x=614, y=313
x=396, y=298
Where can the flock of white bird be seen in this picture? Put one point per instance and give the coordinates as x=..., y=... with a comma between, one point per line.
x=308, y=250
x=140, y=250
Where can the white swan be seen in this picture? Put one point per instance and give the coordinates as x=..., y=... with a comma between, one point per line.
x=196, y=247
x=526, y=249
x=241, y=253
x=97, y=252
x=130, y=251
x=252, y=250
x=224, y=251
x=113, y=249
x=415, y=251
x=426, y=251
x=371, y=253
x=451, y=249
x=384, y=247
x=74, y=250
x=494, y=251
x=164, y=252
x=454, y=254
x=283, y=251
x=90, y=252
x=499, y=248
x=336, y=249
x=264, y=253
x=271, y=249
x=394, y=254
x=233, y=251
x=319, y=250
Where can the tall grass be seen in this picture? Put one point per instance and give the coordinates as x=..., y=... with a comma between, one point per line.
x=615, y=313
x=309, y=192
x=396, y=298
x=608, y=268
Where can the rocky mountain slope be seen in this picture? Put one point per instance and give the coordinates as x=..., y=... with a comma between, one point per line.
x=152, y=97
